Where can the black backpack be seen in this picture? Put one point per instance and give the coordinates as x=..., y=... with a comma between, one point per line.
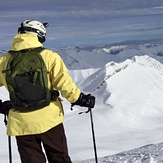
x=26, y=78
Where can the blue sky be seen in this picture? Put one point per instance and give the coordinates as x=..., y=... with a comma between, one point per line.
x=76, y=22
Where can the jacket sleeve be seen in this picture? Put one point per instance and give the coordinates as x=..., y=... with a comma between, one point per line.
x=3, y=64
x=62, y=81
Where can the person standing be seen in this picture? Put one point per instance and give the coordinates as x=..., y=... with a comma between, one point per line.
x=42, y=127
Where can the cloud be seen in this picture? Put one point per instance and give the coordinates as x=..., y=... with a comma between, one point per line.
x=76, y=21
x=72, y=4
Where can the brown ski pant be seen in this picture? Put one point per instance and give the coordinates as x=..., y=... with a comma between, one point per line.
x=53, y=141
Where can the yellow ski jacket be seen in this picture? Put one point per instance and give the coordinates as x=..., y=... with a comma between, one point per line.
x=41, y=120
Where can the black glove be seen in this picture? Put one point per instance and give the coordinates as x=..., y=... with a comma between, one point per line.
x=85, y=101
x=5, y=107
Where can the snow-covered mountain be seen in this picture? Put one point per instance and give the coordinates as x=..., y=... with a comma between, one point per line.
x=128, y=116
x=128, y=86
x=86, y=57
x=129, y=97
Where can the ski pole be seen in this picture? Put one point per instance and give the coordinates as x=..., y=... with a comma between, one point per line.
x=93, y=134
x=9, y=140
x=10, y=152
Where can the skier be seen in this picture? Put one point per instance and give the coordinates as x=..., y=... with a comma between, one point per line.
x=43, y=126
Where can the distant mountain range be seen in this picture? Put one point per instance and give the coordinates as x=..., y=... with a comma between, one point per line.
x=84, y=57
x=96, y=56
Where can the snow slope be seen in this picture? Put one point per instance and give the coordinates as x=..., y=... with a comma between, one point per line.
x=129, y=97
x=128, y=114
x=151, y=153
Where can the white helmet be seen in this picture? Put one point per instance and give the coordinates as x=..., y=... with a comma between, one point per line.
x=34, y=27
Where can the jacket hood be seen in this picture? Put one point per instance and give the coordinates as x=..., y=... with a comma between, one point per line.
x=25, y=41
